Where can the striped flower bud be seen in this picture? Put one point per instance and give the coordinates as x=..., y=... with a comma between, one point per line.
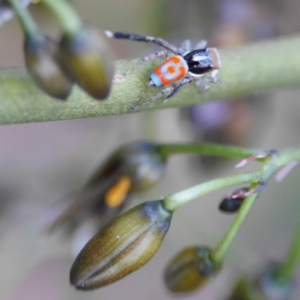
x=123, y=246
x=39, y=53
x=134, y=167
x=189, y=270
x=85, y=57
x=232, y=204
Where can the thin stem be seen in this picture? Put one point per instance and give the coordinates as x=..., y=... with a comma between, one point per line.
x=25, y=19
x=287, y=155
x=173, y=202
x=66, y=15
x=288, y=268
x=217, y=254
x=270, y=165
x=167, y=150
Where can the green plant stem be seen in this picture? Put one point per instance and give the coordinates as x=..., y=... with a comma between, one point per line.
x=287, y=155
x=245, y=70
x=173, y=202
x=65, y=14
x=25, y=19
x=217, y=255
x=167, y=150
x=287, y=269
x=270, y=165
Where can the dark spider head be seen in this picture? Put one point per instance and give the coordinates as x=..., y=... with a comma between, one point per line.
x=202, y=61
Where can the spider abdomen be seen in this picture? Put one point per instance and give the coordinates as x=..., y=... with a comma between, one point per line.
x=169, y=71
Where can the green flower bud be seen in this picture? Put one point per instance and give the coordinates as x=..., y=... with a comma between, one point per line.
x=266, y=286
x=189, y=270
x=39, y=58
x=123, y=246
x=134, y=167
x=84, y=56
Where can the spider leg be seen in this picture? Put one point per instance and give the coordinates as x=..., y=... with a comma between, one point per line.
x=201, y=45
x=146, y=58
x=172, y=89
x=202, y=85
x=213, y=77
x=183, y=82
x=141, y=38
x=185, y=47
x=166, y=90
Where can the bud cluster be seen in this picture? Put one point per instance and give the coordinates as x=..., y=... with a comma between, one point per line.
x=130, y=240
x=80, y=57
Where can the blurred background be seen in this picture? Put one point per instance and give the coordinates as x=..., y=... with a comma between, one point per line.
x=42, y=162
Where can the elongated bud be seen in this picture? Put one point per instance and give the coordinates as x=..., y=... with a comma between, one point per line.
x=232, y=204
x=40, y=62
x=123, y=246
x=189, y=270
x=266, y=286
x=84, y=56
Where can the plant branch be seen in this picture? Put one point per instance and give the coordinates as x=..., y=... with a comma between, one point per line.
x=270, y=165
x=245, y=70
x=225, y=151
x=66, y=15
x=24, y=18
x=173, y=202
x=219, y=252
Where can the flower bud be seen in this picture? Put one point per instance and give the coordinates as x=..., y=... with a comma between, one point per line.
x=134, y=167
x=231, y=204
x=85, y=58
x=123, y=246
x=189, y=270
x=39, y=58
x=266, y=286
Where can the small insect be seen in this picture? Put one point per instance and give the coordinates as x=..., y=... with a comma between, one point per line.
x=178, y=70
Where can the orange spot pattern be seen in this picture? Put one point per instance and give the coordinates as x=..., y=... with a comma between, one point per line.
x=171, y=70
x=117, y=193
